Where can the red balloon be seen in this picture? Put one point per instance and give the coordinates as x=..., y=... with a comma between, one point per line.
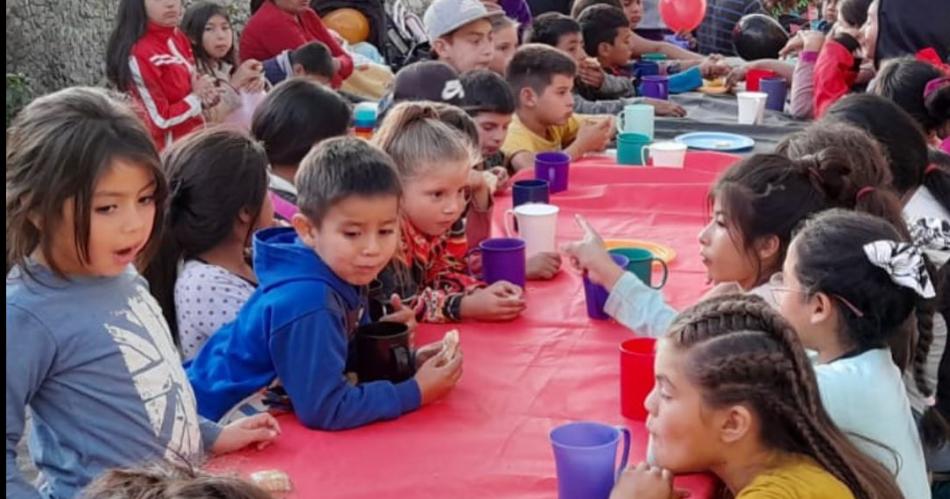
x=682, y=15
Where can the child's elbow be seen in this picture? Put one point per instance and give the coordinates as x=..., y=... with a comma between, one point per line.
x=321, y=420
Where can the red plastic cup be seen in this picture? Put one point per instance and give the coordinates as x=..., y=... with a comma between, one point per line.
x=753, y=76
x=636, y=376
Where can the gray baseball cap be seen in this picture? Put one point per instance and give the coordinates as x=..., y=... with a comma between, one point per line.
x=445, y=16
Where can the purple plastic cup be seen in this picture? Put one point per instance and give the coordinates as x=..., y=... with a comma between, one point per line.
x=777, y=90
x=503, y=259
x=655, y=86
x=597, y=295
x=553, y=166
x=585, y=455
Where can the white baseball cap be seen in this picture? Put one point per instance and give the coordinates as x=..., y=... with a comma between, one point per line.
x=445, y=16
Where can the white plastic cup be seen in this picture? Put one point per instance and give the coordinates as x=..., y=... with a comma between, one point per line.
x=665, y=154
x=636, y=118
x=537, y=226
x=751, y=107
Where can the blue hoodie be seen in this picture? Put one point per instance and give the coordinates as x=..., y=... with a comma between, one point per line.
x=296, y=327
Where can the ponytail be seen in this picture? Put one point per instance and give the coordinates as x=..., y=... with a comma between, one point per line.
x=214, y=176
x=937, y=181
x=414, y=136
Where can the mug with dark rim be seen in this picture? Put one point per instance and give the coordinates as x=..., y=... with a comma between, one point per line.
x=384, y=352
x=530, y=191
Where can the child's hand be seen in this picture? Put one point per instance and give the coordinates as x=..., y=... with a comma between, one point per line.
x=502, y=301
x=594, y=135
x=435, y=380
x=402, y=314
x=503, y=178
x=543, y=266
x=713, y=68
x=665, y=107
x=427, y=352
x=261, y=429
x=737, y=74
x=644, y=482
x=204, y=87
x=590, y=73
x=813, y=40
x=794, y=45
x=249, y=76
x=591, y=256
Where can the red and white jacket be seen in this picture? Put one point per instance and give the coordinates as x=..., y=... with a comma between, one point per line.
x=162, y=67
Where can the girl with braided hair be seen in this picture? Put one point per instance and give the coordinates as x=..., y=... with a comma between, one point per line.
x=736, y=395
x=755, y=206
x=849, y=283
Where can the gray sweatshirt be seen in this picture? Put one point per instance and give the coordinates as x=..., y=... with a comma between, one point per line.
x=94, y=361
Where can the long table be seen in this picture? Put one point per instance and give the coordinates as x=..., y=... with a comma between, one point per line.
x=489, y=436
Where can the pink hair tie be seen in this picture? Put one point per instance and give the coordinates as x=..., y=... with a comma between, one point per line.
x=934, y=85
x=863, y=192
x=945, y=147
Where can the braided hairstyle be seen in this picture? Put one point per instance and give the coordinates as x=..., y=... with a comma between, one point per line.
x=741, y=351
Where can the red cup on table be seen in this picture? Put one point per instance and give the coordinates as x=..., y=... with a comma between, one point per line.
x=636, y=376
x=753, y=76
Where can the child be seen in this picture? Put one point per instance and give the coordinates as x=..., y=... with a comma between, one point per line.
x=924, y=189
x=476, y=226
x=505, y=39
x=460, y=32
x=541, y=79
x=312, y=60
x=844, y=49
x=294, y=117
x=208, y=27
x=849, y=284
x=279, y=25
x=434, y=162
x=920, y=89
x=608, y=36
x=170, y=482
x=489, y=101
x=736, y=395
x=756, y=204
x=150, y=59
x=433, y=81
x=595, y=91
x=294, y=334
x=93, y=358
x=201, y=277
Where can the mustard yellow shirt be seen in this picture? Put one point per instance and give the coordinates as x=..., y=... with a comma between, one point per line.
x=521, y=139
x=797, y=478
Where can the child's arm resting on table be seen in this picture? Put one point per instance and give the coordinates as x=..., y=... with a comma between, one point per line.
x=310, y=359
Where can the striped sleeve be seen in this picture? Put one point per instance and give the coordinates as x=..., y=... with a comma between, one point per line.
x=162, y=113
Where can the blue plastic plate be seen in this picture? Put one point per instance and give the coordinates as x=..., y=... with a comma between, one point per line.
x=716, y=141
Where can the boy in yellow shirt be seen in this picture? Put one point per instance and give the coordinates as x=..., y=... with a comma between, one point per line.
x=542, y=78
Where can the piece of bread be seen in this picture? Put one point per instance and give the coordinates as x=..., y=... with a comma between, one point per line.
x=450, y=345
x=492, y=181
x=272, y=480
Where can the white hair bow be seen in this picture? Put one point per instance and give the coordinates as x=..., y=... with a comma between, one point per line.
x=930, y=233
x=904, y=263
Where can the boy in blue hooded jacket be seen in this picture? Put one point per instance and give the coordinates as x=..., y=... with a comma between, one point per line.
x=292, y=337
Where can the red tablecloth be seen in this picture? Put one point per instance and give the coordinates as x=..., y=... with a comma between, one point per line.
x=489, y=437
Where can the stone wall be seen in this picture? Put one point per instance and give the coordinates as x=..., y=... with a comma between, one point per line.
x=60, y=43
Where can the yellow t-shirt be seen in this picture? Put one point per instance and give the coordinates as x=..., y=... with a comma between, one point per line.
x=797, y=478
x=521, y=139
